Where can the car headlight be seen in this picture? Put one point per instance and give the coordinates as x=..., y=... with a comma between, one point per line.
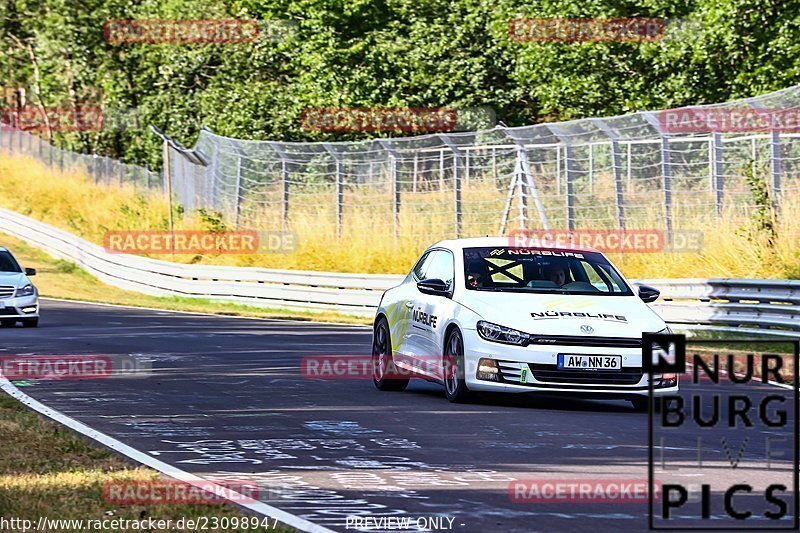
x=495, y=333
x=27, y=290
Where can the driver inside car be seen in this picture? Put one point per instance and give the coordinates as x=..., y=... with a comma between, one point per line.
x=556, y=273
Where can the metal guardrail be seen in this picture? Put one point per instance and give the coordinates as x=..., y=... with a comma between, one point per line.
x=760, y=304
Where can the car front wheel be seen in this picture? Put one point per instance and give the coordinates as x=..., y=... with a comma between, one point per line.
x=30, y=323
x=455, y=385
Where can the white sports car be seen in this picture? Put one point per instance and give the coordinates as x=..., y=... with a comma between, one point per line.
x=482, y=315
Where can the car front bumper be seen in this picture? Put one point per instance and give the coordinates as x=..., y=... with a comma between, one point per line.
x=19, y=307
x=544, y=376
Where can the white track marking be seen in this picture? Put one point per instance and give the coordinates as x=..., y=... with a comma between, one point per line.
x=169, y=470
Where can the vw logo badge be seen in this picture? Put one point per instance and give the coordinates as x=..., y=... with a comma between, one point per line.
x=587, y=329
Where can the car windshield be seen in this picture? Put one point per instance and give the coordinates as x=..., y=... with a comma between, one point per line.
x=8, y=263
x=541, y=271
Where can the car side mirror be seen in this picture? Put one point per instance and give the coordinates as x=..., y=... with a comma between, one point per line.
x=648, y=294
x=434, y=286
x=30, y=271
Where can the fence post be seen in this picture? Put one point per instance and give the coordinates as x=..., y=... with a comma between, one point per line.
x=441, y=170
x=718, y=172
x=285, y=182
x=616, y=163
x=775, y=156
x=494, y=164
x=238, y=186
x=569, y=159
x=558, y=169
x=457, y=218
x=629, y=164
x=416, y=168
x=147, y=171
x=616, y=166
x=95, y=171
x=395, y=194
x=337, y=157
x=466, y=166
x=666, y=172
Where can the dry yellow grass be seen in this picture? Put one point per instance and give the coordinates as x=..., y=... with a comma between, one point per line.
x=731, y=248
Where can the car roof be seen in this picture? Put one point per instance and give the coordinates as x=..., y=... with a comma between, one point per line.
x=506, y=242
x=3, y=249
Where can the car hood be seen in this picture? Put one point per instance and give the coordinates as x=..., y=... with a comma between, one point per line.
x=564, y=314
x=17, y=279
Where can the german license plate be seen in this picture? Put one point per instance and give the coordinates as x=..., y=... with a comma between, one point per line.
x=589, y=362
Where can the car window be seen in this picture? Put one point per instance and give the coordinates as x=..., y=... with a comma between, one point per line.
x=422, y=265
x=441, y=267
x=541, y=270
x=594, y=278
x=8, y=263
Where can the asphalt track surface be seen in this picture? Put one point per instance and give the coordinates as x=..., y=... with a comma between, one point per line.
x=225, y=399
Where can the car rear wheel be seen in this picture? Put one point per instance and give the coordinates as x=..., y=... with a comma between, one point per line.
x=30, y=323
x=455, y=386
x=385, y=374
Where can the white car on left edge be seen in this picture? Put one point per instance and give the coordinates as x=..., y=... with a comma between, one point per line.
x=19, y=299
x=483, y=315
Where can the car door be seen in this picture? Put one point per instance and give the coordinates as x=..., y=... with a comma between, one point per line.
x=401, y=310
x=430, y=312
